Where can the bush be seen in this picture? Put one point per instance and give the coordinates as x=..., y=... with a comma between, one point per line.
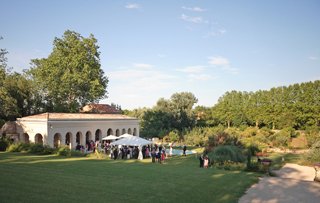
x=36, y=148
x=225, y=153
x=312, y=135
x=223, y=138
x=314, y=153
x=282, y=138
x=64, y=151
x=3, y=144
x=250, y=132
x=48, y=150
x=77, y=153
x=231, y=166
x=19, y=147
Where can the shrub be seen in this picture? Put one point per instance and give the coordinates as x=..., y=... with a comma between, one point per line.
x=36, y=148
x=314, y=153
x=64, y=151
x=282, y=138
x=231, y=166
x=3, y=144
x=48, y=150
x=77, y=153
x=173, y=136
x=19, y=147
x=312, y=135
x=249, y=132
x=198, y=136
x=225, y=153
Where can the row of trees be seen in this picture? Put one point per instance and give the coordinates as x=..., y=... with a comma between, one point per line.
x=70, y=77
x=296, y=106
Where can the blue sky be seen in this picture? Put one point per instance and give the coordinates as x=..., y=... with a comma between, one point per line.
x=152, y=49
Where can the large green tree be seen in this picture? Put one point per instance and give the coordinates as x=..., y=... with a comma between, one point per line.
x=175, y=113
x=8, y=108
x=71, y=76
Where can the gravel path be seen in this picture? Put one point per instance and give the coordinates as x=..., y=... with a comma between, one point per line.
x=293, y=184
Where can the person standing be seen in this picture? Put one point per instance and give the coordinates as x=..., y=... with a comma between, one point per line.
x=206, y=162
x=153, y=155
x=170, y=150
x=184, y=150
x=201, y=161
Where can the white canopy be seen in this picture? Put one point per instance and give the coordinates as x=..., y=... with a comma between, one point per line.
x=125, y=135
x=110, y=137
x=132, y=141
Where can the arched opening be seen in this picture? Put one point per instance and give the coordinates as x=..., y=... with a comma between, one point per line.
x=135, y=131
x=117, y=132
x=130, y=131
x=26, y=138
x=123, y=131
x=57, y=140
x=79, y=138
x=69, y=140
x=88, y=136
x=38, y=139
x=98, y=135
x=110, y=131
x=88, y=139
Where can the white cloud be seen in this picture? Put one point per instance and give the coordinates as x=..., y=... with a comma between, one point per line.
x=214, y=33
x=196, y=73
x=313, y=58
x=196, y=9
x=192, y=69
x=223, y=63
x=132, y=6
x=193, y=19
x=202, y=77
x=140, y=79
x=219, y=61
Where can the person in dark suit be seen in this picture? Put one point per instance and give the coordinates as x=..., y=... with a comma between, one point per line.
x=201, y=161
x=184, y=149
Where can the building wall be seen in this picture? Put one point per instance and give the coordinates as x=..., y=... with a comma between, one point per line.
x=32, y=128
x=61, y=128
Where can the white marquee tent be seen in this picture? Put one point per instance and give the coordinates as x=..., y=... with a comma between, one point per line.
x=125, y=135
x=132, y=141
x=110, y=137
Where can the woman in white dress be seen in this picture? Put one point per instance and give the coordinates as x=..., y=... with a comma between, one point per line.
x=170, y=150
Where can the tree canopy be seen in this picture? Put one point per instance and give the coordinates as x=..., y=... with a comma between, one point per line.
x=175, y=113
x=71, y=76
x=296, y=106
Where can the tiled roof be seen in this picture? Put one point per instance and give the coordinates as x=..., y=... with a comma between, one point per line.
x=76, y=116
x=99, y=108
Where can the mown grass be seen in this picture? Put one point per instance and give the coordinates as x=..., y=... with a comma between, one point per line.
x=29, y=178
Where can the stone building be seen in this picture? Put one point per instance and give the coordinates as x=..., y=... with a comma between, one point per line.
x=55, y=129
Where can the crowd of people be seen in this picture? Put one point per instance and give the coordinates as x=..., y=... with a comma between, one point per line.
x=157, y=153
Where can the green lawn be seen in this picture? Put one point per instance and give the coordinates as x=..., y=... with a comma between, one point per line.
x=30, y=178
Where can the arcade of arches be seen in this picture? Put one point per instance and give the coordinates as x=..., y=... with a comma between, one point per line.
x=57, y=129
x=67, y=139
